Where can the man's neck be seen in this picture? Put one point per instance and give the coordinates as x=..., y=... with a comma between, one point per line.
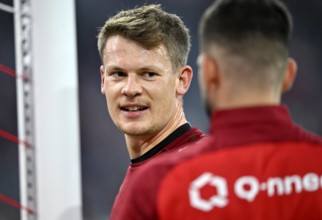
x=245, y=99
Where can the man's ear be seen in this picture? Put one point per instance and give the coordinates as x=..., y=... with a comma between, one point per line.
x=102, y=79
x=210, y=69
x=184, y=79
x=290, y=74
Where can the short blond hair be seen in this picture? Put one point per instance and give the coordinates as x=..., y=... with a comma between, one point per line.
x=150, y=26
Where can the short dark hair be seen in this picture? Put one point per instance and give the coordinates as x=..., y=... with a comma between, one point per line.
x=246, y=28
x=150, y=26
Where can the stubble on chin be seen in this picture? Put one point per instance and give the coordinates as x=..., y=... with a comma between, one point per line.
x=136, y=131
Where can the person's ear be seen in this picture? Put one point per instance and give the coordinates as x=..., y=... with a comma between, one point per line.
x=102, y=79
x=184, y=79
x=290, y=74
x=210, y=69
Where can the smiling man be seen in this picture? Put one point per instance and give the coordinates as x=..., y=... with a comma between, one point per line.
x=144, y=78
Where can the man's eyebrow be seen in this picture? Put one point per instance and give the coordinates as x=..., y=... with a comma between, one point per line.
x=114, y=68
x=141, y=69
x=149, y=68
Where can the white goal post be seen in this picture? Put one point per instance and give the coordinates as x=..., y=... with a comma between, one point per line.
x=48, y=116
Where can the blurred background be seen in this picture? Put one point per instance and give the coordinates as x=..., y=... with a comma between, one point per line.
x=104, y=157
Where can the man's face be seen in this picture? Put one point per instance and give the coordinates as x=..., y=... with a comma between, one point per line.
x=139, y=85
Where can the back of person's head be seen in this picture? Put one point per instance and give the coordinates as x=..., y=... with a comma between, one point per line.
x=150, y=26
x=251, y=35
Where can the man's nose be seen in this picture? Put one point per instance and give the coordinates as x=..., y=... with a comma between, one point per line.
x=132, y=86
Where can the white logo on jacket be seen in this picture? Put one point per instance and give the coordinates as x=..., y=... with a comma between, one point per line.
x=248, y=187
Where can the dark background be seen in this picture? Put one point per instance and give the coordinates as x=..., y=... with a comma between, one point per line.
x=103, y=152
x=9, y=167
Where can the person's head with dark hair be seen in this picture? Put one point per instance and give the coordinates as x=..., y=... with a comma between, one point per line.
x=244, y=53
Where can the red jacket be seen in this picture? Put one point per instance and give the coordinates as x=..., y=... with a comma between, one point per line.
x=256, y=164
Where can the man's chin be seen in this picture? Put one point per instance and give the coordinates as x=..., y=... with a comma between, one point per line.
x=138, y=129
x=135, y=131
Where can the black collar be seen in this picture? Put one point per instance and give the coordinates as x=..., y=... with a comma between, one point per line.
x=153, y=151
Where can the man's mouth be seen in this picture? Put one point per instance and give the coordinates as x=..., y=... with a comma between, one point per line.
x=133, y=108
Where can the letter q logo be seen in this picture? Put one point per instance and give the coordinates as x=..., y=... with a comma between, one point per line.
x=220, y=200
